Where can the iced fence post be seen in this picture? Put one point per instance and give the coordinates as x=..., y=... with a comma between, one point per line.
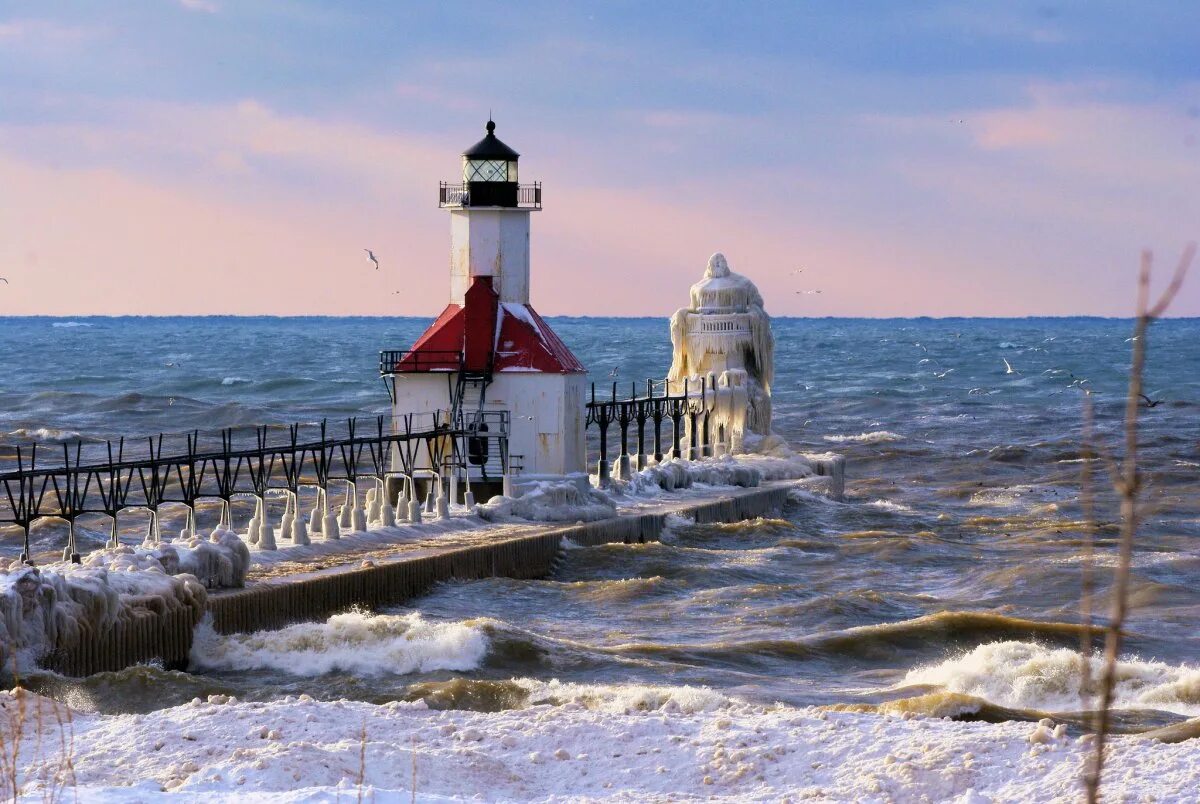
x=289, y=515
x=266, y=533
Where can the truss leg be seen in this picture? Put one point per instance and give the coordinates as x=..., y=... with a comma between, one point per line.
x=329, y=520
x=443, y=503
x=71, y=552
x=253, y=527
x=299, y=529
x=113, y=541
x=387, y=514
x=316, y=517
x=266, y=533
x=289, y=516
x=358, y=516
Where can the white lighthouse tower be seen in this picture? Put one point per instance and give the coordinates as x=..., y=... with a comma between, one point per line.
x=489, y=360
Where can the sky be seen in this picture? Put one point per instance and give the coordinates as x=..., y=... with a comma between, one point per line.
x=987, y=158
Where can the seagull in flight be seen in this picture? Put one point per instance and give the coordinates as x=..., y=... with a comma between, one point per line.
x=372, y=258
x=613, y=373
x=2, y=279
x=1151, y=403
x=1008, y=369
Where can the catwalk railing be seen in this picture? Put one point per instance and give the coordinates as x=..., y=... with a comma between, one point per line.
x=107, y=478
x=683, y=409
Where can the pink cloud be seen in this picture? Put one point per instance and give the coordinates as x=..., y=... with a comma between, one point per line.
x=221, y=229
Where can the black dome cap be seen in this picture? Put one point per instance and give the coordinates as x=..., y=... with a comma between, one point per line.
x=490, y=147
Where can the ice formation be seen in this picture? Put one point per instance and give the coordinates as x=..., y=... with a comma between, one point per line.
x=724, y=340
x=52, y=607
x=551, y=501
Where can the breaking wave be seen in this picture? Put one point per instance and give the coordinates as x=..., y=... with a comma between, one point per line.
x=354, y=642
x=45, y=434
x=236, y=381
x=1030, y=676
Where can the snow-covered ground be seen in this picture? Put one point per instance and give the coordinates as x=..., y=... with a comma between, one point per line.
x=622, y=743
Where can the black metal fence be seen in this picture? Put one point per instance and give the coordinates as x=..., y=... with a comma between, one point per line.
x=680, y=409
x=71, y=480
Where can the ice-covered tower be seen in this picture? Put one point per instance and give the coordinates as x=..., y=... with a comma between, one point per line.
x=489, y=356
x=724, y=339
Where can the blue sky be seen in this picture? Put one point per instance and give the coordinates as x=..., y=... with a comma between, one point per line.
x=914, y=158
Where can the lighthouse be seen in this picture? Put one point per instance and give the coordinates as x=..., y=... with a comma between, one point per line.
x=489, y=361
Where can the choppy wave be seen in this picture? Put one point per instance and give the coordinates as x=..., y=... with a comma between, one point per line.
x=70, y=324
x=236, y=381
x=355, y=642
x=874, y=437
x=1031, y=676
x=942, y=628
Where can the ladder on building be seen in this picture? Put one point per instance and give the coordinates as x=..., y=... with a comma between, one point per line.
x=470, y=395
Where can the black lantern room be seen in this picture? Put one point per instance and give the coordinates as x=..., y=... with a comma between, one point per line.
x=490, y=172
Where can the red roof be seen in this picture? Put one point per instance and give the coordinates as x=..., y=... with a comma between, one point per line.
x=520, y=339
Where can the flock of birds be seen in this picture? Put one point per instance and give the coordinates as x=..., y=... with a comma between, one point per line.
x=803, y=292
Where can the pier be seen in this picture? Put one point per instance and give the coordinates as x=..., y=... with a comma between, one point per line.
x=409, y=572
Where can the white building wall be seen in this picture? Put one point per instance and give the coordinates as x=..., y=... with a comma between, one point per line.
x=546, y=414
x=547, y=419
x=490, y=242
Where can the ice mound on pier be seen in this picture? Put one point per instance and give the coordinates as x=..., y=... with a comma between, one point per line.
x=49, y=608
x=220, y=562
x=551, y=501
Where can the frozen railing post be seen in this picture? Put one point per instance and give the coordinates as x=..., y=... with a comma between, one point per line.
x=186, y=477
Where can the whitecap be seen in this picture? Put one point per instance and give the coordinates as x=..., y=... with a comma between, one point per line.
x=235, y=381
x=70, y=324
x=873, y=437
x=888, y=505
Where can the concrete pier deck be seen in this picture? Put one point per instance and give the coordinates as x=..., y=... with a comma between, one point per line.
x=393, y=574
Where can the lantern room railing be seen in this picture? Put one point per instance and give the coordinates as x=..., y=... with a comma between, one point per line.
x=394, y=361
x=453, y=194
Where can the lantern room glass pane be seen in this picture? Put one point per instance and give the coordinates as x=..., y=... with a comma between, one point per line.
x=489, y=170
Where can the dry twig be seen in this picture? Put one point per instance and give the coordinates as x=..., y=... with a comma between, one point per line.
x=1128, y=486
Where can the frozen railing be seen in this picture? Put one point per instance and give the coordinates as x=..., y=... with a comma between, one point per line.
x=658, y=404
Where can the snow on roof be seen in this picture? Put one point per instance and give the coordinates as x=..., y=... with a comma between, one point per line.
x=523, y=341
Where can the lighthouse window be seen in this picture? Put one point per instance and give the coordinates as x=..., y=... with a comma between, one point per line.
x=489, y=170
